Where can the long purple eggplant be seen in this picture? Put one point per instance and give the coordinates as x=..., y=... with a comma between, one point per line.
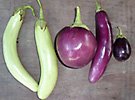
x=104, y=40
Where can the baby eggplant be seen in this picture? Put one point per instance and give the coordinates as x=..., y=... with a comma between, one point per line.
x=121, y=47
x=75, y=44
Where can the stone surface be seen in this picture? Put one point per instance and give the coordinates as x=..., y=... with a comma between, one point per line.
x=118, y=82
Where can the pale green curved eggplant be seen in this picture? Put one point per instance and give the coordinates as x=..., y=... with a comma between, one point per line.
x=47, y=57
x=11, y=57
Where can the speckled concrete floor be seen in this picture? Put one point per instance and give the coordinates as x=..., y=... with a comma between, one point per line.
x=118, y=82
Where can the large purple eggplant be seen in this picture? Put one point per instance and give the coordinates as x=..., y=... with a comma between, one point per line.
x=76, y=45
x=104, y=47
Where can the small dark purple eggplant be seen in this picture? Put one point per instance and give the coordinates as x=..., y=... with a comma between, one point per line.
x=121, y=47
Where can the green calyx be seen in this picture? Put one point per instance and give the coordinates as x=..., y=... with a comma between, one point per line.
x=120, y=34
x=41, y=20
x=21, y=11
x=98, y=6
x=78, y=22
x=42, y=24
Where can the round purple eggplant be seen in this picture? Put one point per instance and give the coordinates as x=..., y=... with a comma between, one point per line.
x=75, y=44
x=104, y=45
x=121, y=47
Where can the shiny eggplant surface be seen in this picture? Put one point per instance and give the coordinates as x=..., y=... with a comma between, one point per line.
x=121, y=47
x=76, y=46
x=104, y=45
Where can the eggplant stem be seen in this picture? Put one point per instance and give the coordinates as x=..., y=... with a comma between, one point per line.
x=22, y=9
x=119, y=29
x=41, y=20
x=78, y=22
x=41, y=16
x=30, y=7
x=78, y=16
x=98, y=6
x=120, y=34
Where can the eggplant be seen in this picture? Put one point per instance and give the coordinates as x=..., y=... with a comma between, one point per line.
x=121, y=47
x=76, y=44
x=104, y=44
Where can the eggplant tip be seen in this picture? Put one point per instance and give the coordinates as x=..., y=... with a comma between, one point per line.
x=91, y=80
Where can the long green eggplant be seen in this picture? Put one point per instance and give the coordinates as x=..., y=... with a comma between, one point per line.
x=47, y=57
x=11, y=57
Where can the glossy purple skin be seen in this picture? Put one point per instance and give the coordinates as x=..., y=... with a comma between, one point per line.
x=104, y=46
x=121, y=49
x=75, y=46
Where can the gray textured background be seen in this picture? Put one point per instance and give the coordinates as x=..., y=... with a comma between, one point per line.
x=118, y=82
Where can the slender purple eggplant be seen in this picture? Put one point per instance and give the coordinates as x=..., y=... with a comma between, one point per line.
x=121, y=47
x=104, y=44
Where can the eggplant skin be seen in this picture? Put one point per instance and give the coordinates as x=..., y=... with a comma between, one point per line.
x=75, y=46
x=121, y=49
x=104, y=46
